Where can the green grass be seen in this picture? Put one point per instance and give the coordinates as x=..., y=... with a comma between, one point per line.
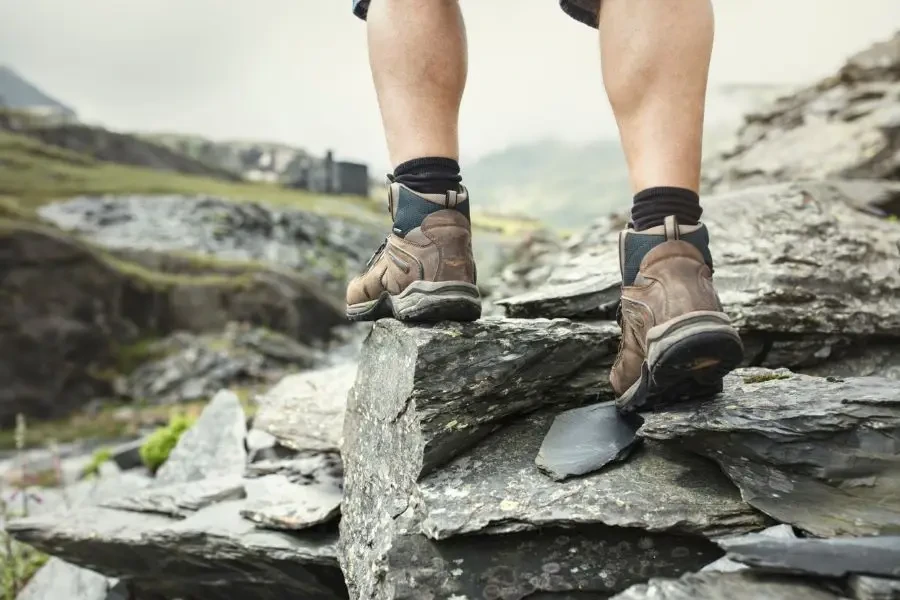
x=33, y=173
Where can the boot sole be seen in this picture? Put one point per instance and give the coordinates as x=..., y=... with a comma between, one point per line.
x=423, y=302
x=687, y=359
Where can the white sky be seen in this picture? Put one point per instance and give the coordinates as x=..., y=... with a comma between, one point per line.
x=296, y=71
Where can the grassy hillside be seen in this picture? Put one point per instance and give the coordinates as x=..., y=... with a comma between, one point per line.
x=32, y=173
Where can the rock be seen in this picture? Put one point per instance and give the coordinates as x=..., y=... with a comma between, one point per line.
x=817, y=453
x=842, y=126
x=67, y=307
x=181, y=499
x=128, y=456
x=212, y=447
x=733, y=586
x=778, y=251
x=275, y=502
x=259, y=443
x=305, y=467
x=58, y=579
x=865, y=587
x=306, y=411
x=835, y=557
x=582, y=440
x=725, y=564
x=210, y=550
x=447, y=386
x=192, y=367
x=489, y=524
x=323, y=248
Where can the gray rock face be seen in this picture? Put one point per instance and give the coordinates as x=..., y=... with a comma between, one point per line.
x=212, y=548
x=417, y=526
x=816, y=453
x=447, y=386
x=193, y=367
x=323, y=247
x=843, y=126
x=277, y=502
x=804, y=275
x=212, y=447
x=836, y=557
x=306, y=411
x=58, y=579
x=733, y=586
x=586, y=439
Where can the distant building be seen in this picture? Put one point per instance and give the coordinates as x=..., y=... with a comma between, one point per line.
x=328, y=176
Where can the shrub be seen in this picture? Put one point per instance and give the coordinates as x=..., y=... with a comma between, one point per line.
x=155, y=450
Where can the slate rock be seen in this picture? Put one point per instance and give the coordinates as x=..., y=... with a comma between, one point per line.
x=212, y=447
x=275, y=502
x=586, y=439
x=733, y=586
x=304, y=468
x=818, y=453
x=128, y=456
x=305, y=411
x=866, y=587
x=181, y=499
x=727, y=565
x=213, y=549
x=447, y=386
x=59, y=580
x=490, y=524
x=779, y=253
x=841, y=126
x=834, y=557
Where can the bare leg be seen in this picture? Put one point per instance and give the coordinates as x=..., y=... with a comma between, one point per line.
x=418, y=55
x=655, y=56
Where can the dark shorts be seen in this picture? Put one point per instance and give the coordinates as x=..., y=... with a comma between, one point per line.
x=582, y=10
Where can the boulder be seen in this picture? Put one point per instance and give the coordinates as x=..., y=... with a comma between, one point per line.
x=58, y=579
x=805, y=276
x=442, y=496
x=818, y=453
x=847, y=125
x=66, y=307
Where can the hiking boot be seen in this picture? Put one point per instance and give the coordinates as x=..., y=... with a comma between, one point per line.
x=424, y=271
x=676, y=341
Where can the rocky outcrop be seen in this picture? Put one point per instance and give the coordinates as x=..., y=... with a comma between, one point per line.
x=824, y=461
x=322, y=248
x=65, y=307
x=439, y=499
x=809, y=280
x=847, y=125
x=185, y=366
x=192, y=533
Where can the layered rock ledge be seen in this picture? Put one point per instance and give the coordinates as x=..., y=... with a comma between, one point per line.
x=433, y=507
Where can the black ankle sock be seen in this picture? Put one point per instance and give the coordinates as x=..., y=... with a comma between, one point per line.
x=653, y=205
x=429, y=175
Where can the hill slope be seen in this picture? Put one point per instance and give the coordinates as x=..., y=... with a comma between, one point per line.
x=16, y=92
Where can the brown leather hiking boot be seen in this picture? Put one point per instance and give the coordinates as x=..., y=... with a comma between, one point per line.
x=676, y=341
x=424, y=271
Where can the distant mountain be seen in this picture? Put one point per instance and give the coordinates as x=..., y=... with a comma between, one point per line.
x=566, y=183
x=18, y=93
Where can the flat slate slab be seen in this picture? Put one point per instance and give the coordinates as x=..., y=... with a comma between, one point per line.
x=818, y=453
x=212, y=547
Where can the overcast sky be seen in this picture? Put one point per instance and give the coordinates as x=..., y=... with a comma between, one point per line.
x=296, y=71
